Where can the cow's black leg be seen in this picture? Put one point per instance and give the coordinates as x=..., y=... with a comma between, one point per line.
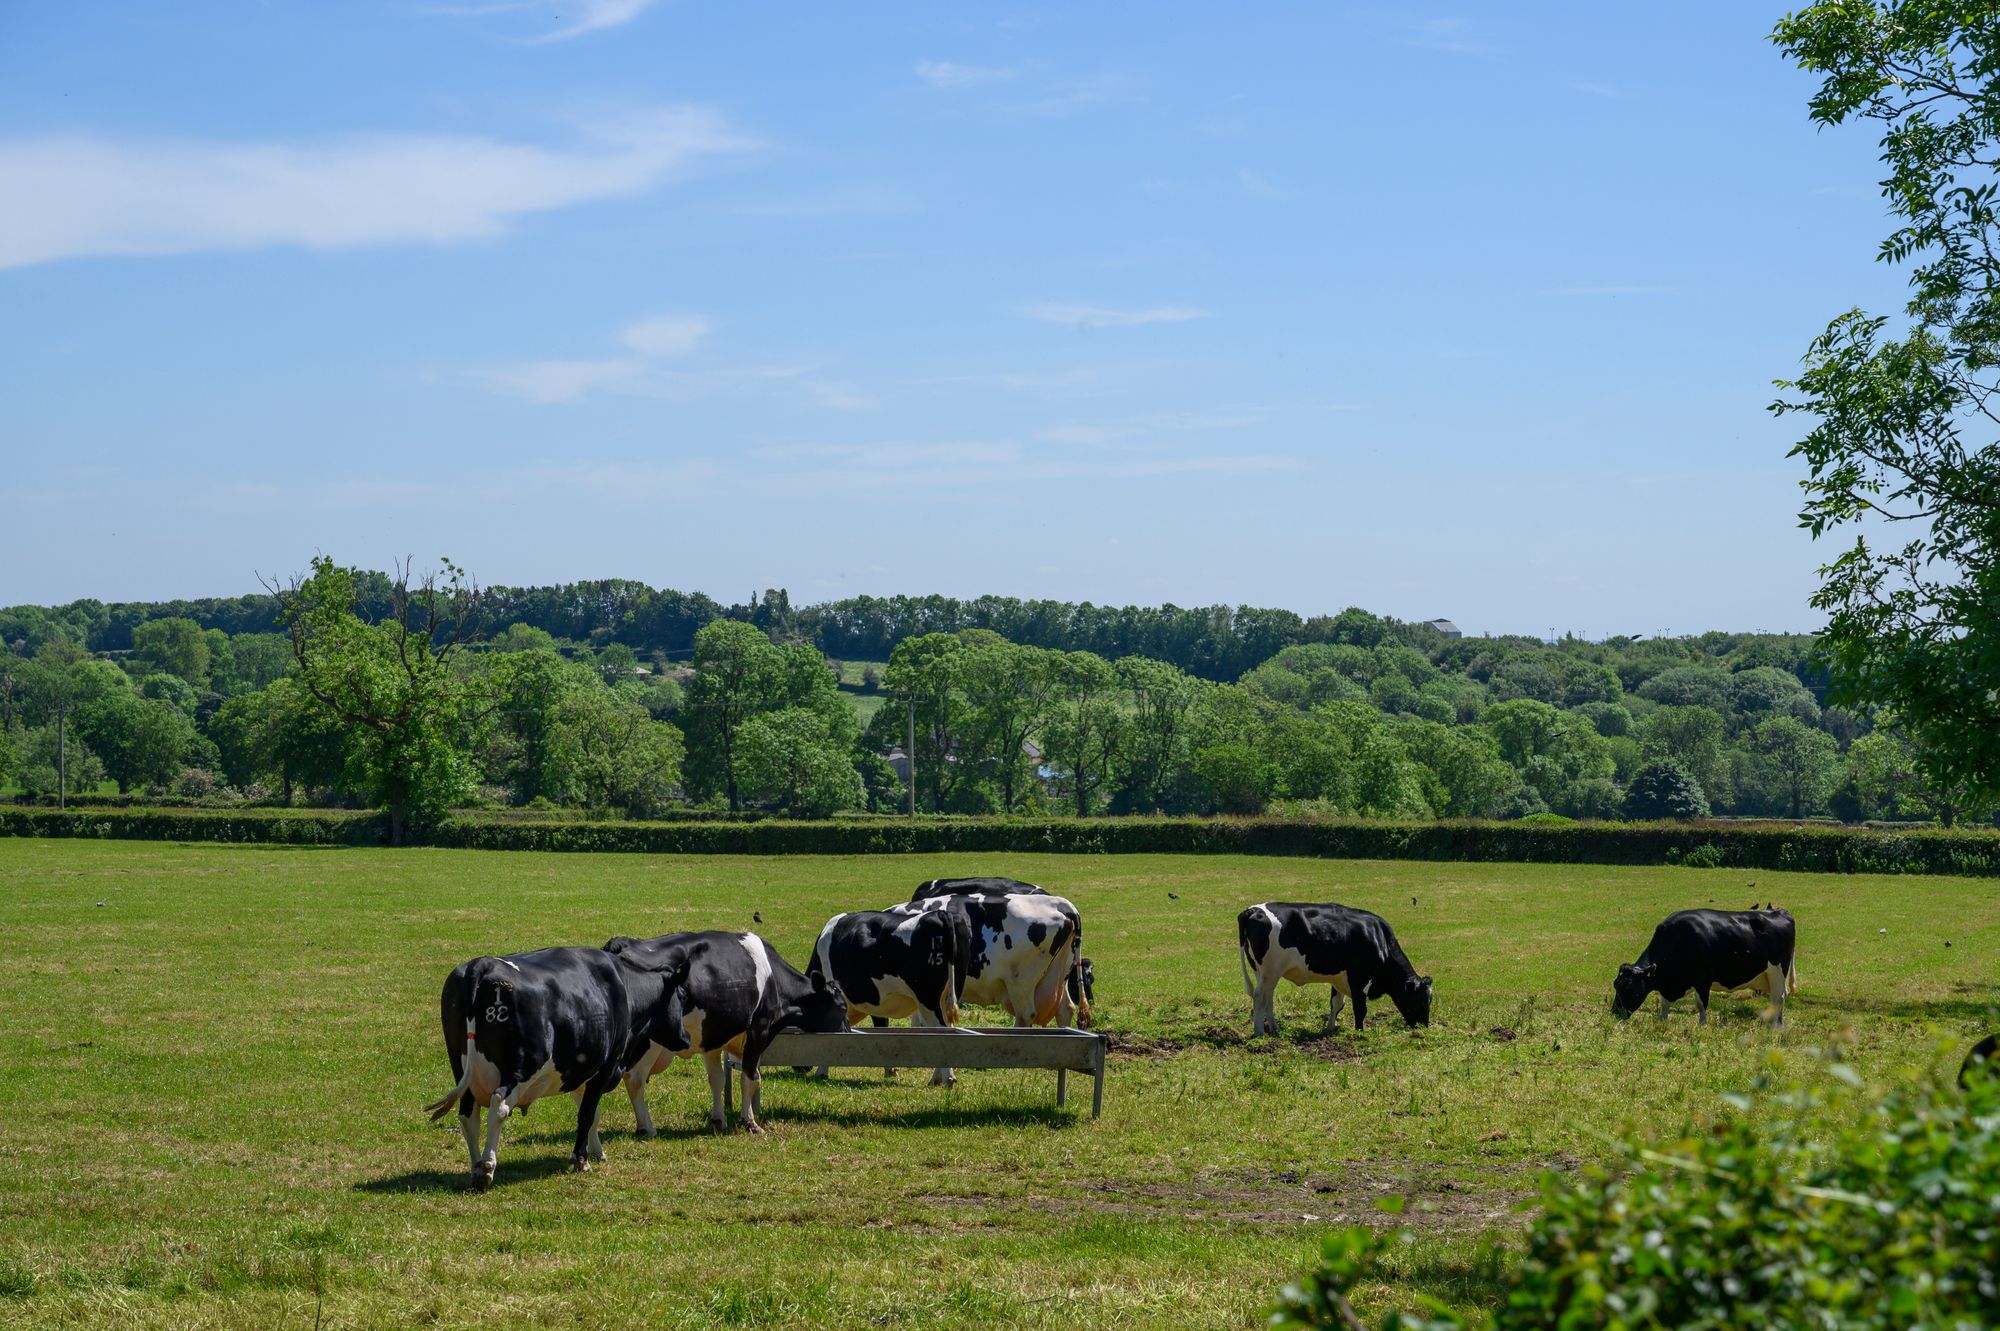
x=1360, y=1000
x=753, y=1086
x=1701, y=1005
x=588, y=1147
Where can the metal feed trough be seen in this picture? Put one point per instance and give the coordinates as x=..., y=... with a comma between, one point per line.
x=1063, y=1048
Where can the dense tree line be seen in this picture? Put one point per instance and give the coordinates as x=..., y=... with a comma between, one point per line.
x=1213, y=642
x=378, y=690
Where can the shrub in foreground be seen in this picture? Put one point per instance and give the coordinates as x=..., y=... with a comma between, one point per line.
x=1790, y=1211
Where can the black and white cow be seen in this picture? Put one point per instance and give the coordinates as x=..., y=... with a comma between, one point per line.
x=1024, y=950
x=942, y=887
x=739, y=993
x=1355, y=951
x=890, y=964
x=520, y=1027
x=1079, y=981
x=1706, y=949
x=1023, y=956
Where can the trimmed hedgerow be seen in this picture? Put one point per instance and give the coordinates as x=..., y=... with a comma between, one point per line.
x=292, y=827
x=1811, y=848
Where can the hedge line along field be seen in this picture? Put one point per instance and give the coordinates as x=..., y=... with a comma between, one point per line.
x=215, y=1056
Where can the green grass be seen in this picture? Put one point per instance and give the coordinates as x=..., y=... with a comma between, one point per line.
x=209, y=1114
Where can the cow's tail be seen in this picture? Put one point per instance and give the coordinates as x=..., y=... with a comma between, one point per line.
x=1243, y=957
x=948, y=1000
x=468, y=1005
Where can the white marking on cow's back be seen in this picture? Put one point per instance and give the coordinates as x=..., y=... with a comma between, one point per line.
x=761, y=960
x=907, y=930
x=509, y=963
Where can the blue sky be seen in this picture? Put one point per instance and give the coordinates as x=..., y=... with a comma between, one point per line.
x=1470, y=312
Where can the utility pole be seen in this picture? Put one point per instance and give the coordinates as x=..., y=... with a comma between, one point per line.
x=62, y=754
x=910, y=749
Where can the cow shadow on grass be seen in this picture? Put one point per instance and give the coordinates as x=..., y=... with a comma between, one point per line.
x=521, y=1169
x=1971, y=1004
x=932, y=1116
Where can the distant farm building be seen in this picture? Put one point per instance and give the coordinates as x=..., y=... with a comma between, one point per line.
x=1446, y=627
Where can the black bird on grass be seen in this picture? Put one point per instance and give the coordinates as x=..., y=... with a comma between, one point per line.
x=1173, y=896
x=756, y=917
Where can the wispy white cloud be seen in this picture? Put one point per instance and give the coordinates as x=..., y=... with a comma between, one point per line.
x=551, y=381
x=1609, y=291
x=667, y=334
x=79, y=195
x=1100, y=316
x=950, y=76
x=1590, y=89
x=577, y=17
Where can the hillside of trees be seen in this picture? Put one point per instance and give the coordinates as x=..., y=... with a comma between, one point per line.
x=356, y=688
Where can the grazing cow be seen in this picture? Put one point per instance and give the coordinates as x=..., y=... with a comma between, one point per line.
x=520, y=1027
x=739, y=993
x=1704, y=949
x=1355, y=951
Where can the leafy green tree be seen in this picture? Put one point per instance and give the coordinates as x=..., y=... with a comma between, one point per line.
x=791, y=757
x=737, y=673
x=929, y=672
x=1088, y=727
x=617, y=663
x=172, y=690
x=1551, y=748
x=1466, y=776
x=140, y=741
x=392, y=684
x=1902, y=453
x=1665, y=789
x=257, y=661
x=1237, y=778
x=522, y=638
x=1690, y=686
x=174, y=646
x=1006, y=689
x=1694, y=737
x=1803, y=761
x=1768, y=691
x=44, y=760
x=1157, y=758
x=605, y=752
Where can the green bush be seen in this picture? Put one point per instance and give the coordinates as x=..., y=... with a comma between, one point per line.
x=1665, y=789
x=1792, y=1210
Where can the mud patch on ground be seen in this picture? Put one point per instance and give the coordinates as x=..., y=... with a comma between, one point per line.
x=1340, y=1195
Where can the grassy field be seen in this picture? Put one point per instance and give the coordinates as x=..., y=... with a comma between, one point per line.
x=215, y=1056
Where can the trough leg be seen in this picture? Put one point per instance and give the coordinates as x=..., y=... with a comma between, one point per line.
x=1062, y=1087
x=1097, y=1091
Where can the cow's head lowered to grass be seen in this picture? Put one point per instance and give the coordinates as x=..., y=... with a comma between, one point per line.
x=1629, y=990
x=1412, y=998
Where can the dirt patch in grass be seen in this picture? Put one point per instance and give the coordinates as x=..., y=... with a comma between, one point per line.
x=1345, y=1195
